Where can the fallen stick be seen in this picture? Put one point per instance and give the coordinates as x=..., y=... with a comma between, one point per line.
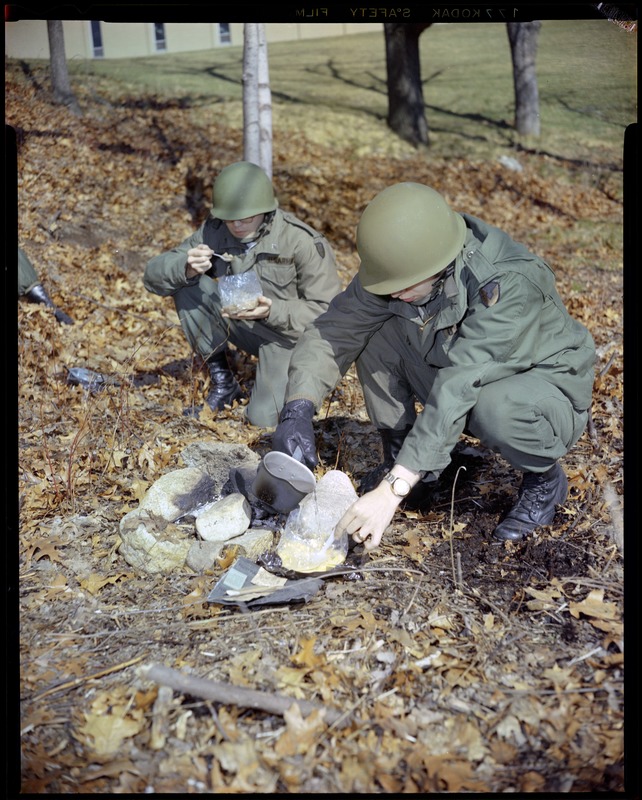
x=228, y=694
x=60, y=687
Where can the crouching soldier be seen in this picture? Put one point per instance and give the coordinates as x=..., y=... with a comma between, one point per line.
x=449, y=311
x=247, y=231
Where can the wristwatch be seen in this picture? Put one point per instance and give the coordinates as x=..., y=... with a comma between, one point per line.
x=399, y=486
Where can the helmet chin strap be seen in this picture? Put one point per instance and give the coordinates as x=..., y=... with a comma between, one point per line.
x=251, y=238
x=422, y=300
x=257, y=233
x=437, y=286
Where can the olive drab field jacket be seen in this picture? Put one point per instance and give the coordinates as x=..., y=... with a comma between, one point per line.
x=499, y=314
x=27, y=276
x=295, y=264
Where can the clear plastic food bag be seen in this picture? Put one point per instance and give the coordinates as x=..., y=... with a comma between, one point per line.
x=239, y=292
x=308, y=542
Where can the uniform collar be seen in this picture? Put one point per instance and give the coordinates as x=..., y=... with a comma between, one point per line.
x=445, y=283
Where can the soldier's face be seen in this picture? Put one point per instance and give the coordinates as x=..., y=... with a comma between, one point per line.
x=418, y=291
x=240, y=228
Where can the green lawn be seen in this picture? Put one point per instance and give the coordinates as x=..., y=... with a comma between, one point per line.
x=587, y=73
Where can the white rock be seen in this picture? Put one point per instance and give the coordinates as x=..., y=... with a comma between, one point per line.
x=251, y=544
x=178, y=493
x=220, y=460
x=225, y=519
x=203, y=555
x=151, y=544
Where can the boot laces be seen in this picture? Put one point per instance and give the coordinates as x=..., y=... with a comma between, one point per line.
x=534, y=490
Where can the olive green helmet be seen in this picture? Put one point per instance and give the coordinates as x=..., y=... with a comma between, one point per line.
x=242, y=190
x=407, y=234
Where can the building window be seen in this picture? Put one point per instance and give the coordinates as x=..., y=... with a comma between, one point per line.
x=224, y=33
x=159, y=36
x=97, y=39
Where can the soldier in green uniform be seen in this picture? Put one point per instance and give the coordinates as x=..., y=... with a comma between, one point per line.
x=246, y=230
x=30, y=287
x=449, y=311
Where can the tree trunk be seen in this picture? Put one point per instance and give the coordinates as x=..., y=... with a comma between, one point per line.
x=257, y=98
x=250, y=93
x=265, y=105
x=59, y=75
x=523, y=46
x=406, y=107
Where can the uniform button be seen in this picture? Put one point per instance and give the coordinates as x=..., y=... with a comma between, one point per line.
x=470, y=253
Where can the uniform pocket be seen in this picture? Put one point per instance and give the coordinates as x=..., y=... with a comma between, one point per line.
x=279, y=276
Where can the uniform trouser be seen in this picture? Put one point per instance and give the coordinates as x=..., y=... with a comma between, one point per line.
x=198, y=307
x=27, y=277
x=525, y=419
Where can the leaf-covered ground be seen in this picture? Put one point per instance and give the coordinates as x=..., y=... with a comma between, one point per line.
x=456, y=665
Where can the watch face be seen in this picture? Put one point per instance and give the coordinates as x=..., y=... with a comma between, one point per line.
x=401, y=487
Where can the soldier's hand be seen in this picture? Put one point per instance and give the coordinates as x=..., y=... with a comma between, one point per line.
x=262, y=311
x=199, y=260
x=368, y=517
x=294, y=435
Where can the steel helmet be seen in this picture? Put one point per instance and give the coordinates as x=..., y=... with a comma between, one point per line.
x=407, y=234
x=242, y=190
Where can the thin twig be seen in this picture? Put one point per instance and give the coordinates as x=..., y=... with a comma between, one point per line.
x=412, y=600
x=78, y=681
x=580, y=514
x=607, y=366
x=57, y=491
x=217, y=721
x=591, y=430
x=80, y=434
x=591, y=689
x=460, y=580
x=452, y=516
x=348, y=712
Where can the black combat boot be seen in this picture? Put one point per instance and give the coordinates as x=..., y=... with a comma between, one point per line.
x=538, y=495
x=224, y=388
x=38, y=294
x=391, y=442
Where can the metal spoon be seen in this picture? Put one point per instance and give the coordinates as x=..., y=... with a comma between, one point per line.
x=224, y=256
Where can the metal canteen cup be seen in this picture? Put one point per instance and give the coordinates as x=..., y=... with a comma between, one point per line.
x=281, y=482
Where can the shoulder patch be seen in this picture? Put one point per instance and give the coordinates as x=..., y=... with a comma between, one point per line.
x=490, y=293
